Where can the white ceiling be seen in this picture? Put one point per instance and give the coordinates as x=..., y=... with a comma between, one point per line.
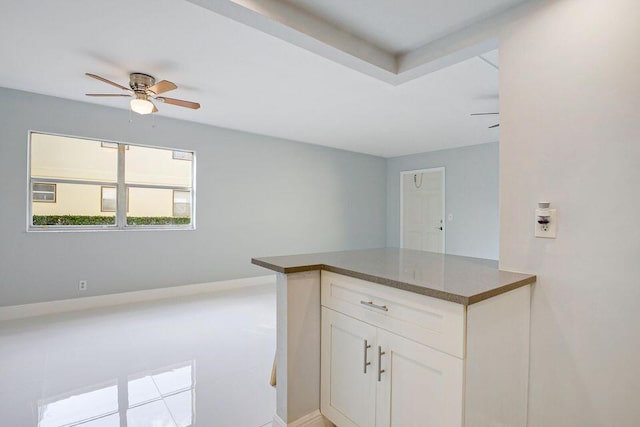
x=244, y=78
x=400, y=26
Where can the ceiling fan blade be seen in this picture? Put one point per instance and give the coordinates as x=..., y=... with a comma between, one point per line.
x=162, y=87
x=102, y=79
x=494, y=126
x=155, y=109
x=179, y=102
x=108, y=94
x=482, y=114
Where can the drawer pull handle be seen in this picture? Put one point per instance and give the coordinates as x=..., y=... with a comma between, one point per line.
x=366, y=347
x=372, y=305
x=380, y=370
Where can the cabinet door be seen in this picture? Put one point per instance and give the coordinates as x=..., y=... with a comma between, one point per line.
x=419, y=386
x=348, y=381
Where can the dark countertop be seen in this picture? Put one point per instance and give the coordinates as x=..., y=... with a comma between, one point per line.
x=462, y=280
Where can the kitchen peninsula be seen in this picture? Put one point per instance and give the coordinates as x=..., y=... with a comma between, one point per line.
x=392, y=336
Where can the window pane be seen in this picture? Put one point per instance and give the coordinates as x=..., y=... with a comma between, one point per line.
x=39, y=187
x=75, y=181
x=63, y=157
x=156, y=166
x=76, y=204
x=153, y=206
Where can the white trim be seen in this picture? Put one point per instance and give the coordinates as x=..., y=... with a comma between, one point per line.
x=314, y=419
x=291, y=23
x=444, y=209
x=86, y=303
x=38, y=180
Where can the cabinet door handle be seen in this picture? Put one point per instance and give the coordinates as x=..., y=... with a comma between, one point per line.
x=371, y=304
x=380, y=370
x=366, y=347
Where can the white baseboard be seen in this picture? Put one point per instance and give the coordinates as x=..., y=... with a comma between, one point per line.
x=314, y=419
x=86, y=303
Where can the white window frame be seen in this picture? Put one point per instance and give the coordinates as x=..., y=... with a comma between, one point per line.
x=122, y=191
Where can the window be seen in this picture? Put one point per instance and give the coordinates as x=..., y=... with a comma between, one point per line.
x=181, y=203
x=123, y=187
x=182, y=155
x=108, y=197
x=41, y=192
x=105, y=144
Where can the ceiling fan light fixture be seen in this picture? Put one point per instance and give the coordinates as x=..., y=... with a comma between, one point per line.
x=141, y=105
x=143, y=90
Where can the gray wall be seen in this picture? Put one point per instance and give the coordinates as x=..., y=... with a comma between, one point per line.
x=569, y=104
x=256, y=196
x=471, y=181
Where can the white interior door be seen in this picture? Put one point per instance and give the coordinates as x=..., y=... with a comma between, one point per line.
x=422, y=222
x=348, y=382
x=420, y=386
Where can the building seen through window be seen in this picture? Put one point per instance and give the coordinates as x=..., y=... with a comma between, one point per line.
x=76, y=183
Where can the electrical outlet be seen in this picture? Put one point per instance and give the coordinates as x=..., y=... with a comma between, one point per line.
x=547, y=230
x=82, y=285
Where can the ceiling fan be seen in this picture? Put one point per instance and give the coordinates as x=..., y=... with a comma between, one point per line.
x=487, y=114
x=143, y=90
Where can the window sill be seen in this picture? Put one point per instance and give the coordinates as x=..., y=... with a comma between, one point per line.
x=81, y=229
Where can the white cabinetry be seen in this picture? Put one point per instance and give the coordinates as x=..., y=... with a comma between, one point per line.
x=420, y=386
x=392, y=358
x=348, y=390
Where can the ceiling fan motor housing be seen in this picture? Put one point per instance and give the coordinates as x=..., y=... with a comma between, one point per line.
x=140, y=82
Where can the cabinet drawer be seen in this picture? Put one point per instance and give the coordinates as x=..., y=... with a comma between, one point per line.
x=436, y=323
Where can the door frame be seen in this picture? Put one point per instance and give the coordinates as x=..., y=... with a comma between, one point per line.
x=444, y=210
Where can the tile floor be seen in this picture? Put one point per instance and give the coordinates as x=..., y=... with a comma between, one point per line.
x=196, y=361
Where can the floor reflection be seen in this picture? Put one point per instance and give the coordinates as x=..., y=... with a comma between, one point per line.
x=163, y=397
x=135, y=365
